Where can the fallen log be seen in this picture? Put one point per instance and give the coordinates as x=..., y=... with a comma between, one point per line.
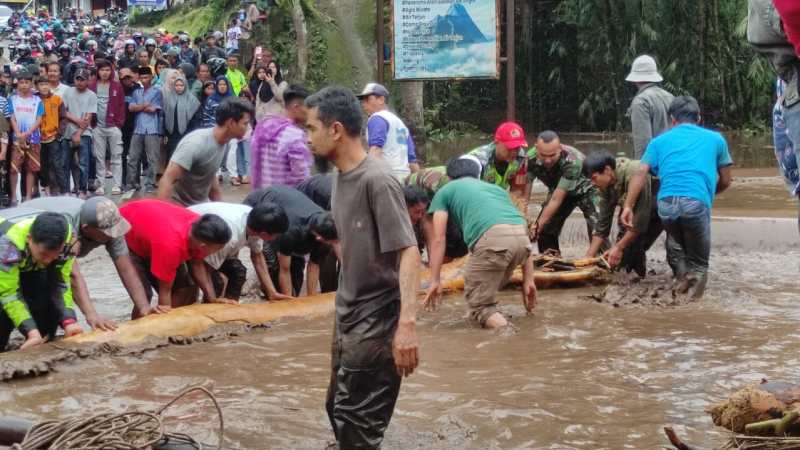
x=200, y=322
x=194, y=319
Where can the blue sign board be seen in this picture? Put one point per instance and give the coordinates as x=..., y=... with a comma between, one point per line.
x=440, y=39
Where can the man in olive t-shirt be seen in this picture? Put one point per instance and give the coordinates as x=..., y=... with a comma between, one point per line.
x=375, y=342
x=495, y=232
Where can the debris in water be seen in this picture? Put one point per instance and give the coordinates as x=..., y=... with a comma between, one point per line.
x=766, y=408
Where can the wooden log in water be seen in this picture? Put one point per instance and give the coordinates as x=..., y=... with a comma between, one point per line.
x=195, y=319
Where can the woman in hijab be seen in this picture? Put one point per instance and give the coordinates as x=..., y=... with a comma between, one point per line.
x=268, y=87
x=194, y=85
x=181, y=108
x=222, y=89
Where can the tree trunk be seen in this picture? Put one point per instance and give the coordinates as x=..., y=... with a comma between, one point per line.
x=299, y=21
x=412, y=110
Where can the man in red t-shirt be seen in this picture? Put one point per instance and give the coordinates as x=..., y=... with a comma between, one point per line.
x=163, y=237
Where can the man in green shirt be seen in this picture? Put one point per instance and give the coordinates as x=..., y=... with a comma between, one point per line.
x=560, y=168
x=495, y=232
x=35, y=269
x=236, y=77
x=612, y=176
x=504, y=161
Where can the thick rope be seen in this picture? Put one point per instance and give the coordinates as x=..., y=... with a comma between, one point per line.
x=107, y=431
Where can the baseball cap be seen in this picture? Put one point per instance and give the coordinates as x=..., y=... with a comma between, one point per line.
x=82, y=73
x=511, y=135
x=103, y=214
x=373, y=89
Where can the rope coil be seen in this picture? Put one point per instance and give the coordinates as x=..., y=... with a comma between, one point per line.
x=132, y=430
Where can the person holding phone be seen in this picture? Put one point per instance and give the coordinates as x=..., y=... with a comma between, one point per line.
x=267, y=88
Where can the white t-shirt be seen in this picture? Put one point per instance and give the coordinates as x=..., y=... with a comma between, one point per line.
x=235, y=216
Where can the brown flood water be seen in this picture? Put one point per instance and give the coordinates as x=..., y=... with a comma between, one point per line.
x=577, y=375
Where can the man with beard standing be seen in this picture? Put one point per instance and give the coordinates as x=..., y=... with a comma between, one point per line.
x=375, y=341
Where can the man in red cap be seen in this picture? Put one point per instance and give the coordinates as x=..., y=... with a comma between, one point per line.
x=560, y=168
x=504, y=161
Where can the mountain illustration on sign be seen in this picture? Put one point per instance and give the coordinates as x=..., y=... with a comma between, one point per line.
x=454, y=29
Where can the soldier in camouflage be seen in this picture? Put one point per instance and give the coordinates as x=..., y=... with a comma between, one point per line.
x=560, y=168
x=420, y=187
x=35, y=272
x=611, y=176
x=504, y=161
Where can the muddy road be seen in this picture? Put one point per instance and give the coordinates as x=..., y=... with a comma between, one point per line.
x=578, y=374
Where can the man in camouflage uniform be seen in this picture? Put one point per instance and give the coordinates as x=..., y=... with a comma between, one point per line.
x=611, y=176
x=428, y=180
x=35, y=272
x=420, y=187
x=504, y=162
x=560, y=168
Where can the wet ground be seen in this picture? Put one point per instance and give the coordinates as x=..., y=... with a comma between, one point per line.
x=577, y=375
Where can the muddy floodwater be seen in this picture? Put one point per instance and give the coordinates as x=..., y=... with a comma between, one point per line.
x=577, y=375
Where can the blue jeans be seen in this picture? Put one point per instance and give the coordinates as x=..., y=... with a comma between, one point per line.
x=786, y=137
x=242, y=158
x=77, y=162
x=688, y=225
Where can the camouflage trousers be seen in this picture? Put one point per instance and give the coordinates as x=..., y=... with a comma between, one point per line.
x=550, y=232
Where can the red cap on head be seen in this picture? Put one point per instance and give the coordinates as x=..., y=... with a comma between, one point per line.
x=511, y=135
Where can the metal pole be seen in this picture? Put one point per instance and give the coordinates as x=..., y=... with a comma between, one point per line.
x=511, y=82
x=379, y=39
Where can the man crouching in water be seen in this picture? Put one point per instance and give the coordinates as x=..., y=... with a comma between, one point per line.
x=494, y=230
x=374, y=339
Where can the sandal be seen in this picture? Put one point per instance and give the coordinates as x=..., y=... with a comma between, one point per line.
x=245, y=180
x=235, y=181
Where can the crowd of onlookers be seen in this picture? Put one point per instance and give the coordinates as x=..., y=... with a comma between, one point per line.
x=86, y=118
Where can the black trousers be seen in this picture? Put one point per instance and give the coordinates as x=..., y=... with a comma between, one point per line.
x=364, y=382
x=41, y=304
x=634, y=258
x=297, y=268
x=235, y=272
x=329, y=273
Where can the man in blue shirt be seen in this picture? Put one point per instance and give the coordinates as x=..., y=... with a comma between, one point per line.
x=147, y=102
x=694, y=165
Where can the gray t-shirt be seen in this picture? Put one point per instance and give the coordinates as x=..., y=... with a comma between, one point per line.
x=200, y=156
x=70, y=207
x=78, y=104
x=373, y=225
x=102, y=103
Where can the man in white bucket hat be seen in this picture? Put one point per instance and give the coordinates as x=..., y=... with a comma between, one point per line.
x=648, y=109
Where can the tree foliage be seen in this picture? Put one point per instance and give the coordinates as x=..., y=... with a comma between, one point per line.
x=573, y=56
